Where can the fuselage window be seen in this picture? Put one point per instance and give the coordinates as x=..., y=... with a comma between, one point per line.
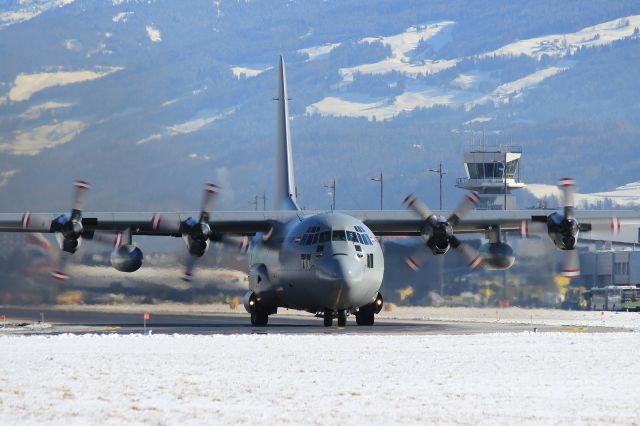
x=325, y=236
x=320, y=248
x=352, y=236
x=338, y=236
x=358, y=248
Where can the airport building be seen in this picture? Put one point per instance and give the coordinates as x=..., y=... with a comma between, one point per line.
x=493, y=171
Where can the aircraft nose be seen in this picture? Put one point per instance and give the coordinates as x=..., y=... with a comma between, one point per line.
x=343, y=274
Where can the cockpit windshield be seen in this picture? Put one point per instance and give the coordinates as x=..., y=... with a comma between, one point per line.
x=338, y=236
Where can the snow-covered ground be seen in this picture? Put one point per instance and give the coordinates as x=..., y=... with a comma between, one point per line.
x=524, y=378
x=624, y=196
x=569, y=43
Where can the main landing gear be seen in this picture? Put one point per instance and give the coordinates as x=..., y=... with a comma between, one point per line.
x=328, y=318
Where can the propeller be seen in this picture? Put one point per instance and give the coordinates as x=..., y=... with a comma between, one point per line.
x=438, y=232
x=68, y=230
x=562, y=227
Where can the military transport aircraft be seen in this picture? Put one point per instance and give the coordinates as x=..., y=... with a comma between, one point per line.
x=327, y=263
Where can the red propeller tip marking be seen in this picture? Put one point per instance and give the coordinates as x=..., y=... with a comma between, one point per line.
x=567, y=182
x=570, y=273
x=412, y=264
x=82, y=184
x=474, y=198
x=26, y=219
x=60, y=276
x=155, y=221
x=615, y=225
x=476, y=262
x=409, y=201
x=211, y=188
x=117, y=241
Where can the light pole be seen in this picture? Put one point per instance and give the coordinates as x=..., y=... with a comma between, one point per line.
x=440, y=172
x=264, y=201
x=255, y=202
x=333, y=193
x=505, y=180
x=381, y=180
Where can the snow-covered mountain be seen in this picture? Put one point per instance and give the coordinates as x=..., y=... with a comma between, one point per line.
x=147, y=99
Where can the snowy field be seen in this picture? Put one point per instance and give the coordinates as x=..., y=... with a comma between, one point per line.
x=524, y=378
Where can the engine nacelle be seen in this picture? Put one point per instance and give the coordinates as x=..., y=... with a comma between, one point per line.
x=563, y=231
x=127, y=258
x=258, y=276
x=497, y=255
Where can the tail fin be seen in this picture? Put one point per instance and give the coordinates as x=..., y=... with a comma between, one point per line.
x=286, y=183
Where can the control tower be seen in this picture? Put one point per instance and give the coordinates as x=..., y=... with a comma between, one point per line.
x=493, y=171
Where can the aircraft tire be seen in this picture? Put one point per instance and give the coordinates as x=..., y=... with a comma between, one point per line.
x=365, y=315
x=259, y=318
x=342, y=318
x=328, y=318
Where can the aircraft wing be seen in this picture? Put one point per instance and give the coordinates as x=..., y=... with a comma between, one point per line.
x=381, y=222
x=167, y=224
x=390, y=223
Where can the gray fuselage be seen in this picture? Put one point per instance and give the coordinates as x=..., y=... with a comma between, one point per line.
x=329, y=261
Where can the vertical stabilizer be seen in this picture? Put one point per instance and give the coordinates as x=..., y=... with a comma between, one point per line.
x=286, y=183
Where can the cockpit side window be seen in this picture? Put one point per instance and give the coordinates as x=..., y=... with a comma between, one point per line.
x=352, y=236
x=315, y=239
x=338, y=236
x=325, y=236
x=367, y=241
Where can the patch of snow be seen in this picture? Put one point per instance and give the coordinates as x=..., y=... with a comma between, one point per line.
x=6, y=176
x=73, y=45
x=464, y=81
x=624, y=196
x=28, y=10
x=503, y=93
x=246, y=72
x=318, y=51
x=35, y=111
x=186, y=127
x=25, y=85
x=154, y=34
x=169, y=102
x=478, y=120
x=122, y=17
x=154, y=137
x=510, y=378
x=559, y=45
x=381, y=109
x=401, y=45
x=193, y=125
x=32, y=142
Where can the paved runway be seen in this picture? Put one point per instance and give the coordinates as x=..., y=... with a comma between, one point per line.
x=21, y=320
